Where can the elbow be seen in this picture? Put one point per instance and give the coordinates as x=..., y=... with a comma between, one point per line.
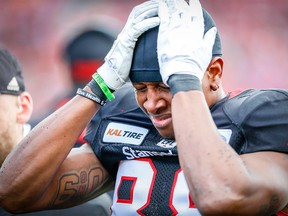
x=12, y=204
x=221, y=206
x=220, y=202
x=8, y=206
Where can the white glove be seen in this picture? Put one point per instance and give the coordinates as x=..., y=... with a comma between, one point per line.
x=116, y=68
x=182, y=46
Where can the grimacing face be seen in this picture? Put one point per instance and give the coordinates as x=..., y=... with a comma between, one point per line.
x=154, y=98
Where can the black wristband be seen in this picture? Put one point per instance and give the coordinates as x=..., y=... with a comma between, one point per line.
x=95, y=88
x=91, y=96
x=183, y=82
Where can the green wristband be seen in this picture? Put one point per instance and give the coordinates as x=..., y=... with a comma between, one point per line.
x=98, y=79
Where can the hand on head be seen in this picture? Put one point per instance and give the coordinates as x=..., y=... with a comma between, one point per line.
x=183, y=48
x=115, y=70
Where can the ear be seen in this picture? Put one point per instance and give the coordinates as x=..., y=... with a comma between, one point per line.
x=25, y=105
x=214, y=72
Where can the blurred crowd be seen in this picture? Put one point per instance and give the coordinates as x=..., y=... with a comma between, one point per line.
x=254, y=36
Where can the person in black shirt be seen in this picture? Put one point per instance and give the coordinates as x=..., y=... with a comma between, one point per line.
x=182, y=147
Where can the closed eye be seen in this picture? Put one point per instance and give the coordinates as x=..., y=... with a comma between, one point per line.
x=164, y=87
x=140, y=89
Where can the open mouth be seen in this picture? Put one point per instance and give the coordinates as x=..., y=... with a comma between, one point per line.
x=161, y=121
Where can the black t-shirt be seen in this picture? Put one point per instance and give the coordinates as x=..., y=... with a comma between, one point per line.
x=148, y=176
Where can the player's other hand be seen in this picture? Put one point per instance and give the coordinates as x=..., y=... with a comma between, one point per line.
x=116, y=68
x=182, y=46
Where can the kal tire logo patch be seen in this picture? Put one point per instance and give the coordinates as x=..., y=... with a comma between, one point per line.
x=124, y=133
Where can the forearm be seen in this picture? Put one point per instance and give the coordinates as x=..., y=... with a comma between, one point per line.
x=39, y=155
x=81, y=177
x=210, y=165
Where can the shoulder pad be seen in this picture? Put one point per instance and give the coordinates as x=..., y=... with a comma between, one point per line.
x=241, y=106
